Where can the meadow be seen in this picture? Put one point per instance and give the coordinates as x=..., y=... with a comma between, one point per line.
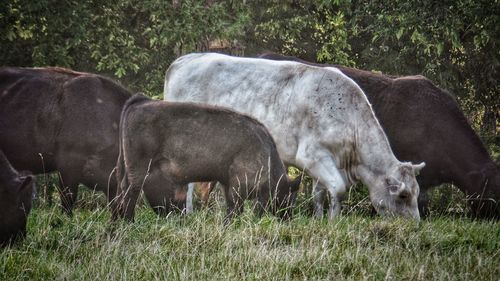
x=356, y=246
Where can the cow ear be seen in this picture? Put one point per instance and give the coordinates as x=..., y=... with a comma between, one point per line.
x=418, y=167
x=26, y=181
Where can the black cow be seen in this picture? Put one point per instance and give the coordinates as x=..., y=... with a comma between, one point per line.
x=164, y=146
x=16, y=191
x=55, y=119
x=425, y=123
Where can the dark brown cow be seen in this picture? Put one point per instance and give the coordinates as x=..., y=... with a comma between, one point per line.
x=16, y=191
x=425, y=123
x=164, y=146
x=54, y=119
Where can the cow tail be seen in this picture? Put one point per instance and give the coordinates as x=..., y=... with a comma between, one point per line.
x=120, y=164
x=135, y=99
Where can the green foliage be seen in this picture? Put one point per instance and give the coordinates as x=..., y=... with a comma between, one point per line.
x=128, y=39
x=455, y=43
x=169, y=30
x=311, y=29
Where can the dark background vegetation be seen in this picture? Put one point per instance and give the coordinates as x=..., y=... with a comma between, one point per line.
x=454, y=43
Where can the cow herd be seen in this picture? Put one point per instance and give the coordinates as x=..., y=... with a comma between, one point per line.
x=240, y=122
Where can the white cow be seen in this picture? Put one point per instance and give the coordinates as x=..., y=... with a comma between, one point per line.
x=320, y=119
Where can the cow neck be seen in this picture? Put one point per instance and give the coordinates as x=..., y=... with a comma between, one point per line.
x=374, y=151
x=475, y=159
x=467, y=175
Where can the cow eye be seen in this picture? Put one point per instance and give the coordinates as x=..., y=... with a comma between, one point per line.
x=388, y=182
x=393, y=188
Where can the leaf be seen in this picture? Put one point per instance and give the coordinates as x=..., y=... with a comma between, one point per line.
x=11, y=35
x=399, y=33
x=120, y=72
x=455, y=41
x=439, y=48
x=415, y=36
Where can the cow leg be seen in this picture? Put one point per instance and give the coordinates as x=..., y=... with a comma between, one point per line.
x=262, y=203
x=116, y=204
x=319, y=193
x=105, y=182
x=164, y=195
x=335, y=205
x=129, y=201
x=68, y=191
x=121, y=181
x=206, y=189
x=129, y=195
x=160, y=204
x=110, y=186
x=234, y=203
x=189, y=198
x=180, y=199
x=423, y=203
x=320, y=199
x=320, y=164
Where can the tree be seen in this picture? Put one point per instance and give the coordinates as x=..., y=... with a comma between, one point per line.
x=132, y=40
x=455, y=43
x=313, y=30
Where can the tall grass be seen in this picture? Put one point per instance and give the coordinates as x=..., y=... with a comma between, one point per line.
x=199, y=247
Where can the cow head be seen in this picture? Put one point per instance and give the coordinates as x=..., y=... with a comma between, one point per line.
x=15, y=204
x=484, y=197
x=397, y=192
x=286, y=194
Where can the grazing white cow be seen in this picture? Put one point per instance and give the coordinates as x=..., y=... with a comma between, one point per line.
x=320, y=119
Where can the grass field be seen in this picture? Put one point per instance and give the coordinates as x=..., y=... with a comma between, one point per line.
x=355, y=246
